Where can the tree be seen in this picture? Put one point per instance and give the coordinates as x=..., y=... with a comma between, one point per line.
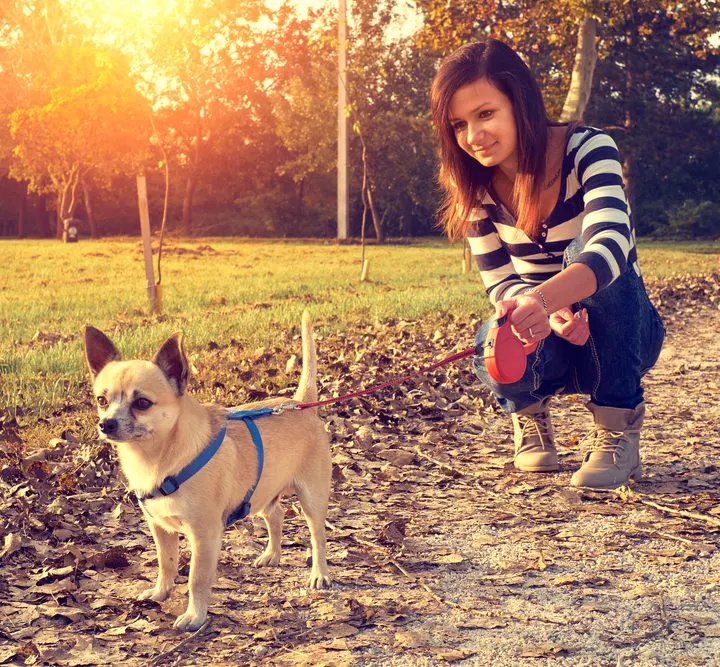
x=206, y=76
x=86, y=116
x=582, y=75
x=657, y=70
x=388, y=81
x=28, y=30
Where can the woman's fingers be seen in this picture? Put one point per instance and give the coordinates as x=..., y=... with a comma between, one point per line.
x=504, y=307
x=534, y=332
x=577, y=331
x=563, y=314
x=573, y=327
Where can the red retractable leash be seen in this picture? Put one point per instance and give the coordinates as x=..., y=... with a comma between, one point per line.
x=505, y=354
x=505, y=358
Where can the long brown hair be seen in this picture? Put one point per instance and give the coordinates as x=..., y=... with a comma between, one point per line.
x=463, y=178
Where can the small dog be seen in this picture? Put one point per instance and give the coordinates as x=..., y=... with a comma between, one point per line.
x=158, y=429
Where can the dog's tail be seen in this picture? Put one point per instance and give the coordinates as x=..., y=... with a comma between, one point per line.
x=307, y=389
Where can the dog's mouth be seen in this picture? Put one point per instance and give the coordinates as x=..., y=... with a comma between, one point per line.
x=117, y=438
x=114, y=438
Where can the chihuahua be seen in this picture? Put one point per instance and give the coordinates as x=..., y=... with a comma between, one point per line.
x=160, y=432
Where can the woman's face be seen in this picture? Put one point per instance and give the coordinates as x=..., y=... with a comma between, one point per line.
x=484, y=124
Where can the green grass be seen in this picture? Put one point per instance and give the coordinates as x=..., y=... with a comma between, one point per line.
x=242, y=290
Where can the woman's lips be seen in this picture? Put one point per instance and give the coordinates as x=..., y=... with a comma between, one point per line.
x=484, y=149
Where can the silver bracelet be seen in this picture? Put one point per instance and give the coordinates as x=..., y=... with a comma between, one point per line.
x=542, y=298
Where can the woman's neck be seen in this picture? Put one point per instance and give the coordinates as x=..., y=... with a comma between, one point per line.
x=507, y=170
x=505, y=173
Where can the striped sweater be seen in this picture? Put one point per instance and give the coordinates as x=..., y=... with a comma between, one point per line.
x=591, y=203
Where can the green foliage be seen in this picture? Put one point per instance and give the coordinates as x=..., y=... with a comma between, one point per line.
x=89, y=117
x=694, y=219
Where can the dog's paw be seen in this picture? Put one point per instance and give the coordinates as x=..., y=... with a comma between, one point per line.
x=319, y=580
x=190, y=621
x=267, y=558
x=156, y=594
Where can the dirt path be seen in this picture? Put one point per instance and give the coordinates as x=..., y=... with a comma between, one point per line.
x=440, y=551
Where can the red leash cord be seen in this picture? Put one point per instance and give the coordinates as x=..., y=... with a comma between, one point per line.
x=454, y=357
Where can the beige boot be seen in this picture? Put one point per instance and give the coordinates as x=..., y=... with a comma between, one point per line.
x=614, y=455
x=534, y=442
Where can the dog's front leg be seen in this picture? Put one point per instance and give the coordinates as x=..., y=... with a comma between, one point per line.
x=205, y=545
x=166, y=544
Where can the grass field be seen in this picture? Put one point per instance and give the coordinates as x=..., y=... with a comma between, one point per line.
x=215, y=290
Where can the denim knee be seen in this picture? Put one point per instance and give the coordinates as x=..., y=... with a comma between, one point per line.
x=546, y=372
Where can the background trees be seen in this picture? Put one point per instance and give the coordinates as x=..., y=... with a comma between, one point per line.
x=242, y=97
x=654, y=85
x=93, y=121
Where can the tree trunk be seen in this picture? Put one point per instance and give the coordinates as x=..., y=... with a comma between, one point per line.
x=582, y=74
x=379, y=233
x=73, y=199
x=298, y=216
x=406, y=215
x=42, y=217
x=190, y=186
x=193, y=176
x=66, y=201
x=59, y=212
x=629, y=177
x=630, y=162
x=89, y=210
x=22, y=200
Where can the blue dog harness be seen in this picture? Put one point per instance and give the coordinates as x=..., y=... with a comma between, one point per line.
x=172, y=483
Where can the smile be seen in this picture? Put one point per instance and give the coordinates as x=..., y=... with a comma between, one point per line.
x=484, y=149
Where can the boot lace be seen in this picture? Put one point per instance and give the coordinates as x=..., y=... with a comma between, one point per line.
x=540, y=423
x=602, y=440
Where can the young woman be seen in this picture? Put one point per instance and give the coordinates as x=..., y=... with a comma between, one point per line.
x=544, y=210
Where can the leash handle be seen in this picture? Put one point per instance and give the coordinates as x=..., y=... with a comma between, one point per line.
x=505, y=354
x=454, y=357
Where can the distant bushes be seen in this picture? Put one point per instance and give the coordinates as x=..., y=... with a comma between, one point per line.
x=691, y=220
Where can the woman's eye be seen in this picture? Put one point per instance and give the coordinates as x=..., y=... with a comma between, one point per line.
x=102, y=401
x=485, y=114
x=141, y=404
x=457, y=127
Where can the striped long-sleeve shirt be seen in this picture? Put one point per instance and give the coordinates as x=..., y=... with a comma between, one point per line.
x=591, y=203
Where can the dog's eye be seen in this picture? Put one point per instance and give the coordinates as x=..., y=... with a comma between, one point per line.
x=141, y=404
x=102, y=401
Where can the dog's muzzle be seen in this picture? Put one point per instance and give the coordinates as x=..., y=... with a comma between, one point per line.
x=108, y=426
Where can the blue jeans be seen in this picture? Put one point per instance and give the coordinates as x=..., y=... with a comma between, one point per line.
x=626, y=336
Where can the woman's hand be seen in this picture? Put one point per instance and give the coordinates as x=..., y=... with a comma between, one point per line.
x=527, y=317
x=573, y=327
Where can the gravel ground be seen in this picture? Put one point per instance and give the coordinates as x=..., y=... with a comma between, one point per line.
x=606, y=579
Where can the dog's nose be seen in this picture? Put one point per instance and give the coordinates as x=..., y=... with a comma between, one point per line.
x=109, y=426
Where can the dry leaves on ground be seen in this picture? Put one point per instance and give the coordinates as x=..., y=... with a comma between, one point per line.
x=440, y=551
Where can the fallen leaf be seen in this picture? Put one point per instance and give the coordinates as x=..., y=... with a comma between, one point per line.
x=544, y=651
x=12, y=543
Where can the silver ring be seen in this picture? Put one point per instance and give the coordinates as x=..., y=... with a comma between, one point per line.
x=532, y=335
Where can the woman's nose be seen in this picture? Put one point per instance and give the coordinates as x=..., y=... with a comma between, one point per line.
x=475, y=134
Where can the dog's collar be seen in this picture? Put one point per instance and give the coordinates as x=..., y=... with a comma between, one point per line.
x=173, y=482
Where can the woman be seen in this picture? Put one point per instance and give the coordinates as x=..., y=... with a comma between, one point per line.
x=544, y=210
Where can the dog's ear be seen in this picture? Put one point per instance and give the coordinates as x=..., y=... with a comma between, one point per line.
x=99, y=350
x=172, y=361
